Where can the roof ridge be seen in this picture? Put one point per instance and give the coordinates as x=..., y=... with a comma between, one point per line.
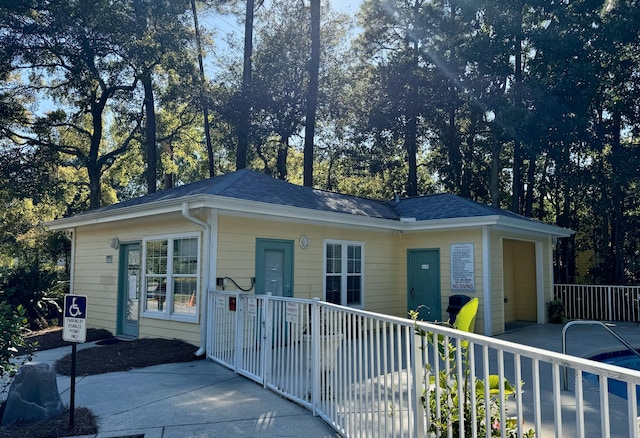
x=231, y=178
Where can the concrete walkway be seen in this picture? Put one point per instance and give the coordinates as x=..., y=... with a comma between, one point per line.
x=192, y=399
x=204, y=399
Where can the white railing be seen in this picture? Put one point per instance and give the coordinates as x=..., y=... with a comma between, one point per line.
x=371, y=375
x=602, y=303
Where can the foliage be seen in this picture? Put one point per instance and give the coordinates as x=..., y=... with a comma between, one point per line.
x=441, y=396
x=38, y=291
x=528, y=105
x=556, y=311
x=12, y=325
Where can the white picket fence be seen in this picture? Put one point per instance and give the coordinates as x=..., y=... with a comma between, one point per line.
x=598, y=302
x=367, y=374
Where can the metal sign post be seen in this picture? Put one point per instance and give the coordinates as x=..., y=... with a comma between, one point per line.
x=74, y=330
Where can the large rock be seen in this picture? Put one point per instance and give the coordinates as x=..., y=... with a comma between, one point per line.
x=33, y=395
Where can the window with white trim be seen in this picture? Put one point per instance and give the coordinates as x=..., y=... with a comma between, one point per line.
x=344, y=272
x=171, y=277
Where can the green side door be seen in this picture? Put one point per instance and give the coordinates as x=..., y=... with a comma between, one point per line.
x=274, y=267
x=129, y=289
x=423, y=283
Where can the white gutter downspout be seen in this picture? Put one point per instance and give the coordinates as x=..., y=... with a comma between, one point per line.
x=205, y=276
x=486, y=279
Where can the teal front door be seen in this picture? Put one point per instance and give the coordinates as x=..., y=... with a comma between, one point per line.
x=274, y=267
x=129, y=290
x=423, y=283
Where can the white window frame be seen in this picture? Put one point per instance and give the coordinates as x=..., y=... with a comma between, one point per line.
x=344, y=274
x=167, y=313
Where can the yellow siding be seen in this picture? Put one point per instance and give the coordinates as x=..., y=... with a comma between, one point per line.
x=98, y=280
x=236, y=258
x=385, y=256
x=509, y=280
x=442, y=240
x=497, y=283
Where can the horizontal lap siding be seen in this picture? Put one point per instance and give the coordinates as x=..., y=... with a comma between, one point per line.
x=160, y=328
x=442, y=241
x=236, y=257
x=497, y=283
x=98, y=280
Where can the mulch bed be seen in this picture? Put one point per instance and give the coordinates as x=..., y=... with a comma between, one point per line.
x=111, y=355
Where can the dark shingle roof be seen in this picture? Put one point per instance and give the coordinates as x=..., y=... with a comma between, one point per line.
x=446, y=206
x=253, y=186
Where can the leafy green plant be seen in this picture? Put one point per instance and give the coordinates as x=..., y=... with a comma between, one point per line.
x=442, y=394
x=556, y=311
x=12, y=327
x=39, y=292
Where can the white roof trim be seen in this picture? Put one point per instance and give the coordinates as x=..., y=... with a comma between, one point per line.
x=240, y=206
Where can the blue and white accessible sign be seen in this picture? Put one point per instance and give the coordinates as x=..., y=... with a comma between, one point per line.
x=74, y=327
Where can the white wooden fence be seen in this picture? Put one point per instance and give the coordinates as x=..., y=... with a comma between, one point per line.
x=371, y=375
x=602, y=303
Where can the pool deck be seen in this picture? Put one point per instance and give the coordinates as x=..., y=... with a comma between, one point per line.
x=583, y=341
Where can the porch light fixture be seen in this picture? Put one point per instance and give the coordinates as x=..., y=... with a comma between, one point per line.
x=304, y=242
x=115, y=243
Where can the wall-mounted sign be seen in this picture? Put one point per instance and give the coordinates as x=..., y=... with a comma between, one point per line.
x=462, y=265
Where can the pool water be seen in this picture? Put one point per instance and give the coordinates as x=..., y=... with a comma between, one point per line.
x=622, y=358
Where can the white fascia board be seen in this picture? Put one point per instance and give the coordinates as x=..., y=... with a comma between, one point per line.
x=533, y=227
x=285, y=212
x=443, y=224
x=125, y=213
x=520, y=226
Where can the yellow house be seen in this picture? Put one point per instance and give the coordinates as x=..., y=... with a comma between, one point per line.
x=146, y=264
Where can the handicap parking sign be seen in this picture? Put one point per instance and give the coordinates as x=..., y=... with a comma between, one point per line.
x=74, y=328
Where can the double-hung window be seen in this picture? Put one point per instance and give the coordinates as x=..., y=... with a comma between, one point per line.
x=171, y=277
x=344, y=272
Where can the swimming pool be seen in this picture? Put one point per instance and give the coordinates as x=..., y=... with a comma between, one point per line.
x=623, y=358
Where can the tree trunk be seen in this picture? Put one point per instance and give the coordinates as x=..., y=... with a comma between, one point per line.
x=168, y=176
x=245, y=113
x=531, y=176
x=205, y=106
x=412, y=151
x=93, y=165
x=150, y=133
x=281, y=162
x=494, y=184
x=617, y=222
x=312, y=94
x=455, y=156
x=517, y=147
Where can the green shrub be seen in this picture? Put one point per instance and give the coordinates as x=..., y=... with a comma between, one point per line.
x=12, y=327
x=556, y=311
x=38, y=291
x=441, y=396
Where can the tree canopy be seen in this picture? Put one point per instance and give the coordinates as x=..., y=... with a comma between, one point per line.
x=527, y=105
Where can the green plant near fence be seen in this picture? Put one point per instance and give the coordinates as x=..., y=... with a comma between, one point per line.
x=441, y=396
